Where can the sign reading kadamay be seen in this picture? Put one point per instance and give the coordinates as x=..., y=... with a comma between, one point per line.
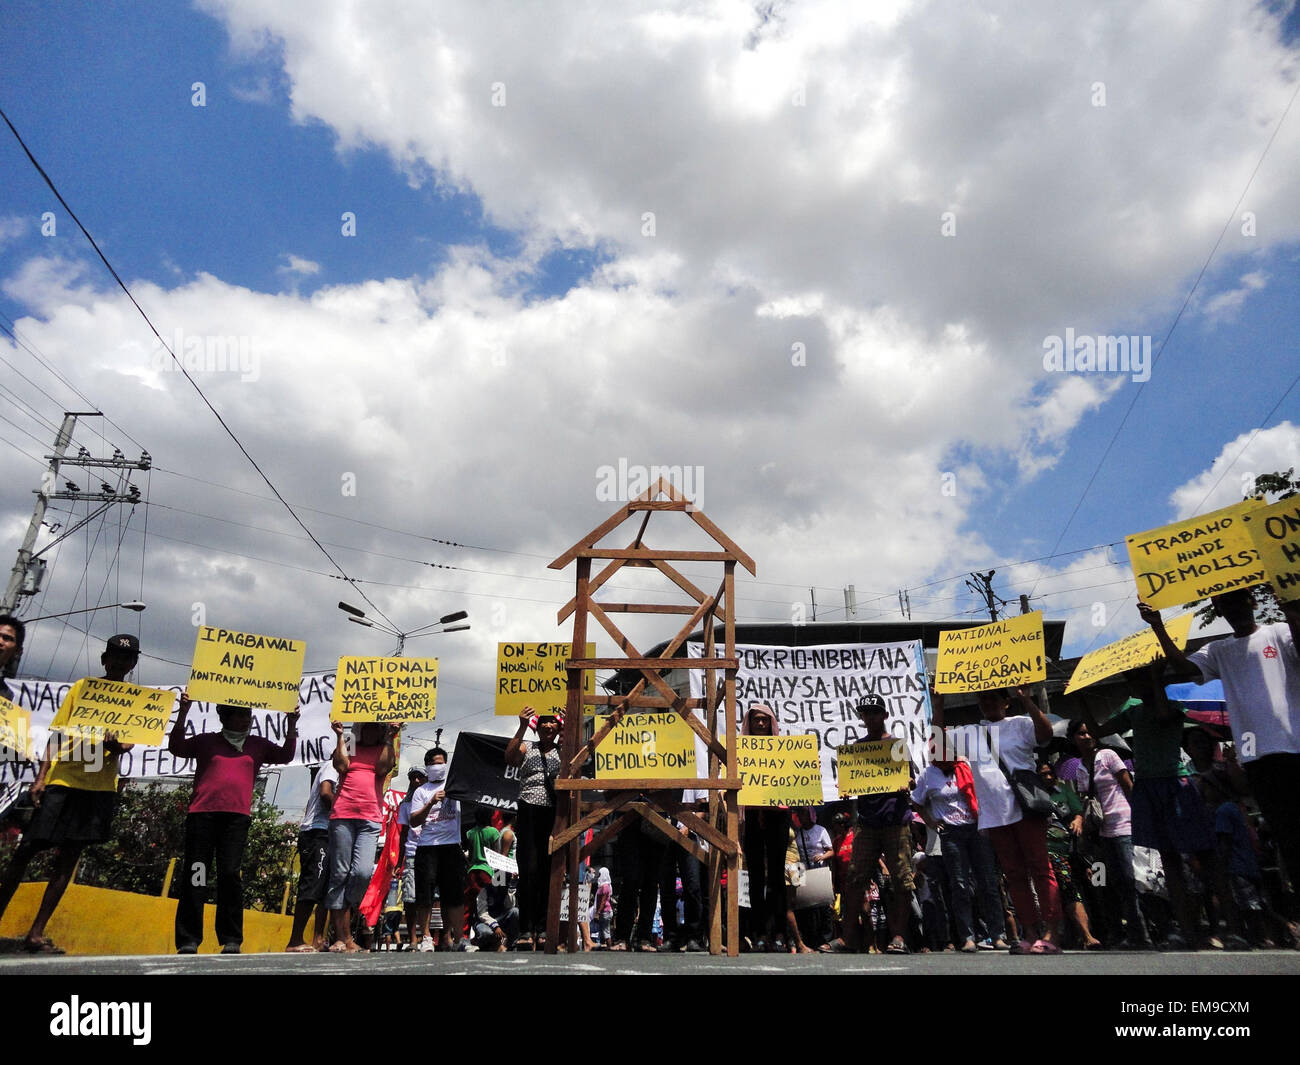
x=245, y=669
x=1196, y=558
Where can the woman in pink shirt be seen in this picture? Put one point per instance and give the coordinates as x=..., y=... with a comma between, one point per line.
x=364, y=761
x=1103, y=775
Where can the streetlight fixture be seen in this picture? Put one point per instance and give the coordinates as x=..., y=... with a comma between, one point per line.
x=358, y=617
x=134, y=604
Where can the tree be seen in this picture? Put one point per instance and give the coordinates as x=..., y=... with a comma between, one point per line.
x=1272, y=486
x=149, y=831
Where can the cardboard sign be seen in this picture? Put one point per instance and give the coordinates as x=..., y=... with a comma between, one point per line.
x=244, y=669
x=1275, y=532
x=15, y=732
x=385, y=689
x=584, y=900
x=533, y=674
x=1133, y=651
x=873, y=767
x=647, y=745
x=779, y=770
x=1196, y=558
x=998, y=655
x=502, y=863
x=132, y=713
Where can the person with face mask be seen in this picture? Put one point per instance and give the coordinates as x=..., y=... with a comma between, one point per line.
x=439, y=860
x=226, y=767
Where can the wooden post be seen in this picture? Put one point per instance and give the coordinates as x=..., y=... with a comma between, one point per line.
x=733, y=771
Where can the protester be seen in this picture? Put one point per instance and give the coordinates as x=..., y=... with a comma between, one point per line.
x=1103, y=775
x=1062, y=847
x=439, y=859
x=480, y=839
x=75, y=792
x=1260, y=670
x=603, y=908
x=765, y=837
x=881, y=833
x=355, y=821
x=220, y=812
x=1167, y=814
x=815, y=850
x=539, y=765
x=997, y=749
x=945, y=793
x=415, y=777
x=313, y=854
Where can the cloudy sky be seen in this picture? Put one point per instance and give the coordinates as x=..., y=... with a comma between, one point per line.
x=465, y=255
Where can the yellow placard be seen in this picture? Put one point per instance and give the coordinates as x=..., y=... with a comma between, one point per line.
x=779, y=770
x=15, y=732
x=244, y=669
x=647, y=745
x=1196, y=558
x=132, y=713
x=533, y=674
x=385, y=689
x=998, y=655
x=872, y=767
x=1133, y=651
x=1275, y=532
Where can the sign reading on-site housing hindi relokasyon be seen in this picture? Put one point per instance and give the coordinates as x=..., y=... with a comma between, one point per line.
x=533, y=674
x=385, y=689
x=1193, y=559
x=817, y=689
x=873, y=767
x=1275, y=532
x=779, y=770
x=1139, y=649
x=647, y=745
x=132, y=713
x=998, y=655
x=245, y=669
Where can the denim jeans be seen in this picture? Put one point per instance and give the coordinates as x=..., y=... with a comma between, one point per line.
x=353, y=842
x=972, y=875
x=222, y=835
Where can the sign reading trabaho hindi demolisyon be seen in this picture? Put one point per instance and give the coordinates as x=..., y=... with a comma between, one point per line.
x=245, y=669
x=779, y=770
x=533, y=674
x=1193, y=559
x=132, y=713
x=385, y=689
x=998, y=655
x=647, y=745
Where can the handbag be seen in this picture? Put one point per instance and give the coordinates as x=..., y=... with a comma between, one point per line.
x=1093, y=816
x=1033, y=799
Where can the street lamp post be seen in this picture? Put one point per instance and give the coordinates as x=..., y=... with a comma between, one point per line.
x=358, y=617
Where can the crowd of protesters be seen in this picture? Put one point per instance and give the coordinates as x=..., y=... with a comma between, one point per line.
x=1011, y=838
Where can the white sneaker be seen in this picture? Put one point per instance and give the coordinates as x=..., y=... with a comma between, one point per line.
x=426, y=946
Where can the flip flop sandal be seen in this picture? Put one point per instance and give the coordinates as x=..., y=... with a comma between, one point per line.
x=301, y=948
x=41, y=946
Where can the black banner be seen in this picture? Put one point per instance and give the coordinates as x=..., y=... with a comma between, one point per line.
x=479, y=772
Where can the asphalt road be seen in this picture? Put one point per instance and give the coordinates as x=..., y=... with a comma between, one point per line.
x=1200, y=963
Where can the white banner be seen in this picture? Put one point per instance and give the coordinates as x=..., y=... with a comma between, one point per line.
x=815, y=689
x=315, y=739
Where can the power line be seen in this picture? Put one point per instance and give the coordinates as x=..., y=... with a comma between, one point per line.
x=180, y=366
x=1177, y=318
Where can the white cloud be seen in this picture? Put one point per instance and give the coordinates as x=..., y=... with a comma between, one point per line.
x=297, y=266
x=1224, y=306
x=1232, y=474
